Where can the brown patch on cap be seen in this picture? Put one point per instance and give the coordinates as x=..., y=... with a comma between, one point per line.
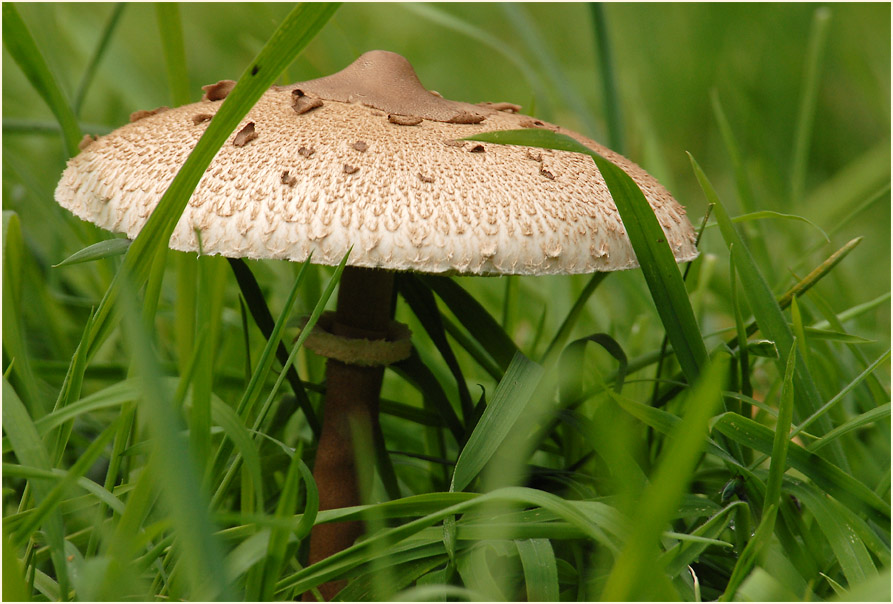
x=218, y=91
x=532, y=123
x=404, y=120
x=360, y=146
x=86, y=141
x=477, y=149
x=288, y=179
x=305, y=152
x=245, y=135
x=142, y=113
x=200, y=117
x=348, y=169
x=547, y=174
x=424, y=178
x=466, y=117
x=536, y=156
x=302, y=103
x=507, y=107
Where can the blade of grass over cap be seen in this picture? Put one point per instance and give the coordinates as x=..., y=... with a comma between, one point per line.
x=648, y=240
x=295, y=32
x=18, y=41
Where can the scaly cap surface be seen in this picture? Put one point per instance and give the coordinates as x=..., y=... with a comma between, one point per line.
x=369, y=158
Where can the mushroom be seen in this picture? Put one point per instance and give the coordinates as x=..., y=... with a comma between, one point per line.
x=367, y=160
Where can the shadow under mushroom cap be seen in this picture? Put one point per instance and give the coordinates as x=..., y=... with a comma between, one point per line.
x=324, y=165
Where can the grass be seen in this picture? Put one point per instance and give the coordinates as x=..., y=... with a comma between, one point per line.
x=719, y=432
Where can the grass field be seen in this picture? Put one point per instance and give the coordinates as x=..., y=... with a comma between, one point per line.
x=731, y=442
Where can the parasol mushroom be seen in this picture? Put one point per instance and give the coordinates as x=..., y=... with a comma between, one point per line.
x=367, y=159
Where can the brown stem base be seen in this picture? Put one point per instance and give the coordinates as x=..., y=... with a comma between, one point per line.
x=351, y=407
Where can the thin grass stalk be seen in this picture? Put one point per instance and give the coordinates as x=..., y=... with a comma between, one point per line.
x=607, y=78
x=98, y=54
x=815, y=54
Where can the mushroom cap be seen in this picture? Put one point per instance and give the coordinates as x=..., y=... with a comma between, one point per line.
x=369, y=158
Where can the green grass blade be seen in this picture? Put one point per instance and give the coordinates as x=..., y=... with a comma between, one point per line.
x=424, y=307
x=508, y=403
x=18, y=41
x=186, y=501
x=635, y=574
x=235, y=430
x=475, y=318
x=420, y=376
x=766, y=310
x=171, y=29
x=254, y=298
x=570, y=320
x=839, y=396
x=610, y=97
x=295, y=32
x=104, y=249
x=15, y=346
x=30, y=451
x=14, y=587
x=777, y=463
x=49, y=502
x=96, y=59
x=837, y=483
x=869, y=417
x=806, y=114
x=648, y=240
x=848, y=547
x=540, y=570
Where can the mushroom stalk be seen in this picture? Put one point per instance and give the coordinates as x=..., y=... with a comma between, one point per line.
x=351, y=409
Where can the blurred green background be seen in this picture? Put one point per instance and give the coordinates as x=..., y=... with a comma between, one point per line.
x=668, y=59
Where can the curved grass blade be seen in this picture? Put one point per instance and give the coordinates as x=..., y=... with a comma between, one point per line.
x=509, y=400
x=769, y=214
x=540, y=569
x=648, y=240
x=295, y=32
x=104, y=249
x=21, y=45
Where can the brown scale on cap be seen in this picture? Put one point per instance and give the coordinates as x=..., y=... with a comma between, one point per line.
x=306, y=151
x=507, y=107
x=302, y=103
x=477, y=149
x=198, y=118
x=547, y=174
x=360, y=146
x=245, y=135
x=428, y=179
x=218, y=91
x=404, y=120
x=348, y=169
x=144, y=113
x=288, y=179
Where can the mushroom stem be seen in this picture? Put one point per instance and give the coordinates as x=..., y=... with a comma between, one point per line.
x=351, y=408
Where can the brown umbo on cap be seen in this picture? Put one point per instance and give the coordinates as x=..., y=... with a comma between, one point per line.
x=369, y=158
